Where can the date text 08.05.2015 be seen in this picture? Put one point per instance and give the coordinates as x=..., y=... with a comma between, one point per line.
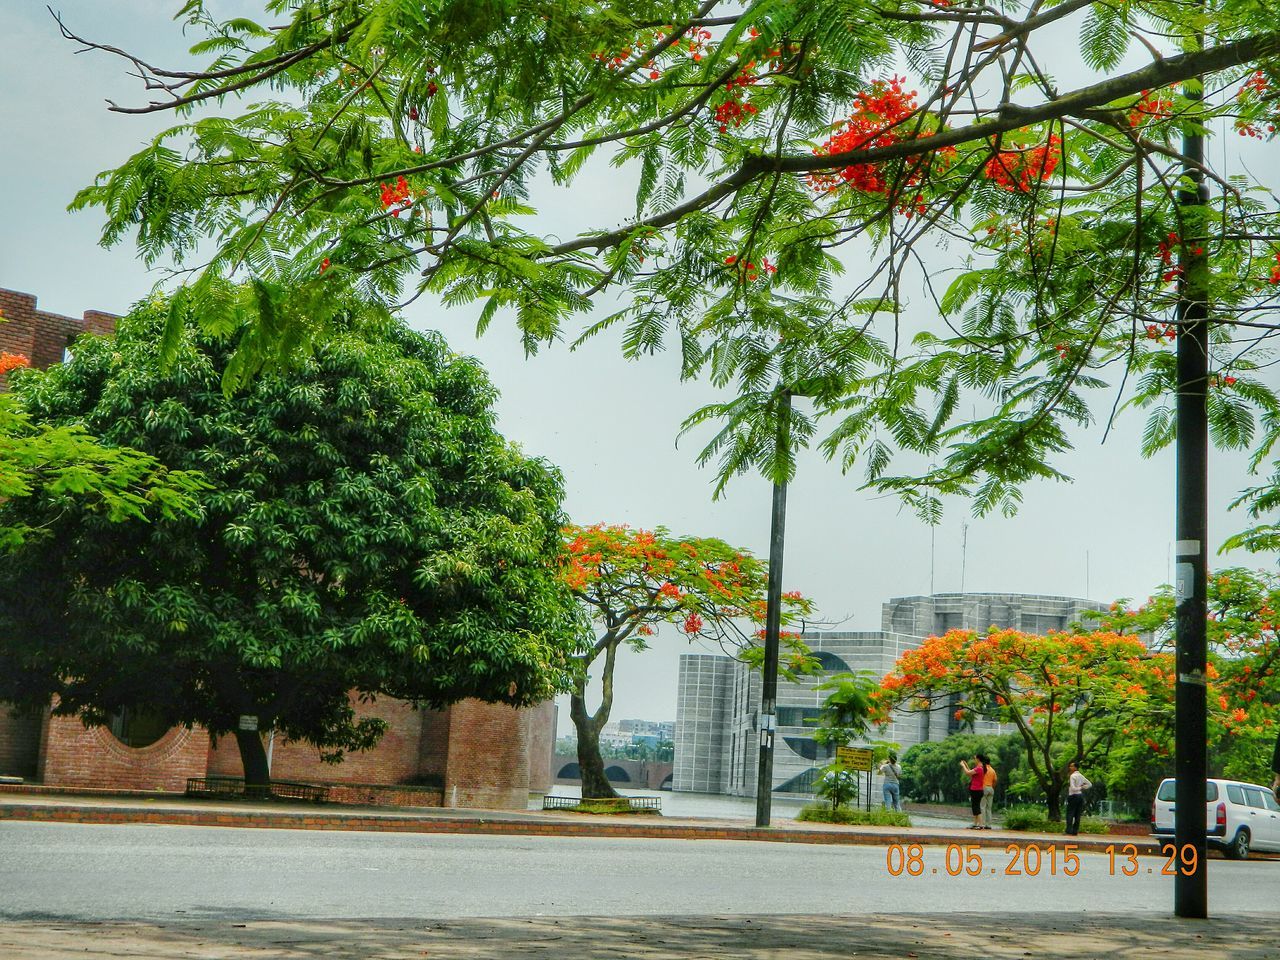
x=1028, y=860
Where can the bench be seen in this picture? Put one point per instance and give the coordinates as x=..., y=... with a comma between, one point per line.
x=235, y=787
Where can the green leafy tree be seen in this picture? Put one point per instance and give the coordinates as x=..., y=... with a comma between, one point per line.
x=340, y=154
x=65, y=464
x=631, y=581
x=364, y=528
x=931, y=770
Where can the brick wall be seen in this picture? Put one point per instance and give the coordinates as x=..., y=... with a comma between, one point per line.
x=76, y=756
x=41, y=336
x=488, y=756
x=542, y=745
x=393, y=761
x=19, y=741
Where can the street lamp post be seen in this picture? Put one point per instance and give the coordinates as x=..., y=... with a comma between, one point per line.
x=1191, y=889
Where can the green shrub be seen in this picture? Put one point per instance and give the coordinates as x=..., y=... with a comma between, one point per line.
x=822, y=813
x=1036, y=820
x=608, y=806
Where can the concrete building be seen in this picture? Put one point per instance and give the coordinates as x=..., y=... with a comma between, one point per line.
x=469, y=754
x=717, y=739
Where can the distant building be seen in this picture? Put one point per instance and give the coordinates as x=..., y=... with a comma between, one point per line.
x=717, y=739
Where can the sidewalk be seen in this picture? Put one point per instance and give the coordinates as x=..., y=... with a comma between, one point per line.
x=993, y=936
x=176, y=810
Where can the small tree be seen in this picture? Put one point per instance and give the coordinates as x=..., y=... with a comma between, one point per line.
x=364, y=528
x=1067, y=695
x=630, y=582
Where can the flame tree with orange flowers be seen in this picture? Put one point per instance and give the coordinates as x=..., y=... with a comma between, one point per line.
x=1068, y=695
x=633, y=581
x=1243, y=628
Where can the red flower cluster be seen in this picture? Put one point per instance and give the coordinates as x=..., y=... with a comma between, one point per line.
x=698, y=42
x=324, y=264
x=624, y=55
x=1166, y=248
x=1251, y=91
x=12, y=361
x=1222, y=382
x=735, y=109
x=1275, y=271
x=1159, y=332
x=751, y=271
x=1152, y=106
x=882, y=116
x=1019, y=170
x=397, y=196
x=692, y=623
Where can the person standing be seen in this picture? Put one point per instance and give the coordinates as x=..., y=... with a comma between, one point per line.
x=988, y=789
x=977, y=775
x=891, y=785
x=1077, y=784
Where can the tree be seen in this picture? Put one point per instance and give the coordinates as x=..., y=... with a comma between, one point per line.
x=66, y=464
x=1243, y=630
x=630, y=581
x=364, y=529
x=931, y=770
x=1067, y=695
x=762, y=142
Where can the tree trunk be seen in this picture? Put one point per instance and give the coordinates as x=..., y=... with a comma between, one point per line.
x=253, y=757
x=1053, y=795
x=595, y=785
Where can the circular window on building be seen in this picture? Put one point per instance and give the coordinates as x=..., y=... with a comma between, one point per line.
x=136, y=727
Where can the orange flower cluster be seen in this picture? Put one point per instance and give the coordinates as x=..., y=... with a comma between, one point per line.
x=1151, y=107
x=1250, y=93
x=1020, y=170
x=12, y=361
x=882, y=116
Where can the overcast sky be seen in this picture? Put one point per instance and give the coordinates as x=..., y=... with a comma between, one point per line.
x=609, y=424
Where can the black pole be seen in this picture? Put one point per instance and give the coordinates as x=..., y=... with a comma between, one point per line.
x=772, y=626
x=1191, y=888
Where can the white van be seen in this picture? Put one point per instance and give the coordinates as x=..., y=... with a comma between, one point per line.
x=1239, y=817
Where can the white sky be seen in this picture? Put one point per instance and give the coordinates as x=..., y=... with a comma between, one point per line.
x=609, y=424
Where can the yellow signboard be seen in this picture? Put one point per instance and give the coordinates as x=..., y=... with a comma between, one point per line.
x=854, y=758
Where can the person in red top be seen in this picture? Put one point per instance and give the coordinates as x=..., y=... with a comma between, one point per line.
x=977, y=775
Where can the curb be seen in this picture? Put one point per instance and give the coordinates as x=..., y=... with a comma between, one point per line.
x=547, y=828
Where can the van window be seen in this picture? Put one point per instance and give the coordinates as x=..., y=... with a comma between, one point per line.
x=1270, y=797
x=1255, y=797
x=1235, y=793
x=1168, y=792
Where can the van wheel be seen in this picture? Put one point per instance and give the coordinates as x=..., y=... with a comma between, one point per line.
x=1239, y=849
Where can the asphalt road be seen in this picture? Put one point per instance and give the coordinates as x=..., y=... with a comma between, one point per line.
x=77, y=872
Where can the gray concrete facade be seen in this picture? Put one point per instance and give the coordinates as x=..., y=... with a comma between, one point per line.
x=717, y=707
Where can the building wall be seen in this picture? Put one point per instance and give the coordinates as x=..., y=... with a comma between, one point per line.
x=488, y=760
x=395, y=760
x=542, y=746
x=19, y=742
x=701, y=722
x=77, y=756
x=40, y=336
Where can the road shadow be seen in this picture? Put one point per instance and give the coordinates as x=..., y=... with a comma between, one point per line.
x=1049, y=936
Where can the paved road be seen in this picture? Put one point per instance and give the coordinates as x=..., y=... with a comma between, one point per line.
x=81, y=872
